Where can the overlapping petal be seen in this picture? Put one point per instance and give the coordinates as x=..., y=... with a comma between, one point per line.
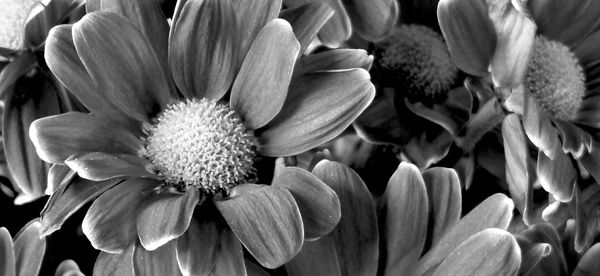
x=307, y=20
x=372, y=20
x=99, y=166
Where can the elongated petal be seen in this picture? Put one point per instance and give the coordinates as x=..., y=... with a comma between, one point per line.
x=53, y=13
x=58, y=137
x=267, y=221
x=99, y=166
x=229, y=259
x=372, y=20
x=589, y=265
x=407, y=208
x=318, y=204
x=489, y=252
x=260, y=88
x=574, y=139
x=337, y=30
x=494, y=212
x=356, y=237
x=316, y=258
x=443, y=192
x=515, y=32
x=469, y=33
x=197, y=247
x=307, y=20
x=338, y=59
x=203, y=50
x=108, y=264
x=68, y=268
x=58, y=175
x=7, y=253
x=588, y=113
x=14, y=70
x=68, y=199
x=165, y=217
x=159, y=262
x=110, y=223
x=131, y=78
x=586, y=51
x=307, y=118
x=30, y=247
x=252, y=16
x=538, y=127
x=557, y=176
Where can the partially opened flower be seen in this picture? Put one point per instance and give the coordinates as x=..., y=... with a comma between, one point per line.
x=174, y=133
x=420, y=233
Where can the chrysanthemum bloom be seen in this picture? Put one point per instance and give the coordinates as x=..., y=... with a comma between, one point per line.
x=23, y=255
x=370, y=20
x=419, y=232
x=28, y=89
x=546, y=50
x=175, y=131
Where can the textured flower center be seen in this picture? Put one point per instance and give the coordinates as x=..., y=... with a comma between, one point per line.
x=419, y=58
x=555, y=78
x=13, y=15
x=201, y=143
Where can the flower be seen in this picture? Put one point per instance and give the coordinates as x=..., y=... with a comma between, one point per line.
x=175, y=131
x=14, y=15
x=24, y=254
x=419, y=230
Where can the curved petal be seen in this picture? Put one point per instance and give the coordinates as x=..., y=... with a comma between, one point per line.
x=57, y=176
x=260, y=88
x=203, y=51
x=267, y=221
x=489, y=252
x=7, y=253
x=252, y=16
x=337, y=29
x=197, y=247
x=68, y=268
x=307, y=20
x=316, y=258
x=538, y=127
x=108, y=264
x=515, y=31
x=494, y=212
x=356, y=238
x=338, y=59
x=588, y=264
x=165, y=216
x=575, y=140
x=542, y=241
x=469, y=33
x=99, y=166
x=14, y=70
x=445, y=200
x=30, y=248
x=374, y=19
x=586, y=52
x=557, y=176
x=318, y=204
x=568, y=22
x=407, y=208
x=53, y=13
x=318, y=108
x=110, y=223
x=159, y=262
x=58, y=137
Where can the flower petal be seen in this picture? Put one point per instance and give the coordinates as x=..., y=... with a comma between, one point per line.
x=356, y=237
x=372, y=20
x=110, y=223
x=159, y=262
x=203, y=43
x=406, y=207
x=337, y=59
x=166, y=216
x=469, y=33
x=7, y=253
x=53, y=13
x=307, y=20
x=494, y=212
x=542, y=251
x=68, y=268
x=252, y=16
x=14, y=70
x=489, y=252
x=260, y=88
x=557, y=176
x=229, y=259
x=316, y=258
x=515, y=32
x=588, y=264
x=68, y=199
x=318, y=204
x=57, y=176
x=267, y=221
x=99, y=166
x=586, y=51
x=337, y=29
x=108, y=264
x=307, y=118
x=30, y=247
x=380, y=123
x=568, y=22
x=58, y=137
x=131, y=77
x=588, y=113
x=197, y=247
x=445, y=201
x=539, y=129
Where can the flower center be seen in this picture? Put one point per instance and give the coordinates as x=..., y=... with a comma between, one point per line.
x=419, y=59
x=201, y=143
x=12, y=22
x=555, y=78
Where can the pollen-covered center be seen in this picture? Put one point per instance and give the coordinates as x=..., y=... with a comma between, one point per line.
x=418, y=57
x=13, y=16
x=201, y=143
x=555, y=78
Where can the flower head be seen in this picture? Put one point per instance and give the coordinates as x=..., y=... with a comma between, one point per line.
x=13, y=15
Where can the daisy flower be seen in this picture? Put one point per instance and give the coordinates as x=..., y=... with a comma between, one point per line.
x=177, y=122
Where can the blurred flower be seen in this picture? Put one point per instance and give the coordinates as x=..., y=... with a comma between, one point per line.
x=419, y=230
x=177, y=170
x=13, y=16
x=23, y=255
